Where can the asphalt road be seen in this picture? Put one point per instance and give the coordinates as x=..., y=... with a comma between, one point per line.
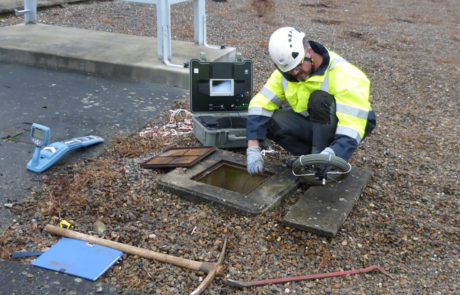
x=71, y=105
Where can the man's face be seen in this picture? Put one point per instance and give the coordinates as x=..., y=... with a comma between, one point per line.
x=302, y=71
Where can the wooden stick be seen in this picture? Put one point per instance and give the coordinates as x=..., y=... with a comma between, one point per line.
x=178, y=261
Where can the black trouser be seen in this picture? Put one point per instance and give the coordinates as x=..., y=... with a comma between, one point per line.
x=302, y=135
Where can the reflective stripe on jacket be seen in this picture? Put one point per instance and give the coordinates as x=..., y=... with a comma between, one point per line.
x=349, y=85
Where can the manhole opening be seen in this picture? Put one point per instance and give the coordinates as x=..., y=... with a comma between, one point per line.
x=231, y=176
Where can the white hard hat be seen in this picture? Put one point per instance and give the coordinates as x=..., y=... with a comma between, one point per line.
x=286, y=48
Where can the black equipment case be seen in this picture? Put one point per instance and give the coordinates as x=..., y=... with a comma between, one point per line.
x=219, y=97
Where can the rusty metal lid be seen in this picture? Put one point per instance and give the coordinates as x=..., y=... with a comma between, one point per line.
x=179, y=157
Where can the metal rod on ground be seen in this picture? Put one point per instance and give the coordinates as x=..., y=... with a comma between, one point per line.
x=240, y=284
x=210, y=268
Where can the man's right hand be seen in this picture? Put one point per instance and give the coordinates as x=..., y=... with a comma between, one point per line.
x=255, y=161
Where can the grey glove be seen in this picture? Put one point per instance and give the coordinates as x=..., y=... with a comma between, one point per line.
x=255, y=161
x=328, y=151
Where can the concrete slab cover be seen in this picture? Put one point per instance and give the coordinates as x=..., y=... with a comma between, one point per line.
x=268, y=194
x=323, y=210
x=107, y=54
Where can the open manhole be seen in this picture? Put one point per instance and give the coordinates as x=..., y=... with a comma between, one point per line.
x=221, y=178
x=231, y=176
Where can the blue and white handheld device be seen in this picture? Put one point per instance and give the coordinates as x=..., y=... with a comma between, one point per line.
x=46, y=155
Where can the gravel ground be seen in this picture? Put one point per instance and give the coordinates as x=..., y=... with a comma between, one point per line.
x=406, y=220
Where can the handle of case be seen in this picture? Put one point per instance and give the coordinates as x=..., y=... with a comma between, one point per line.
x=232, y=137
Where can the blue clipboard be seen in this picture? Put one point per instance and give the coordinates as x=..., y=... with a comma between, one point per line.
x=78, y=258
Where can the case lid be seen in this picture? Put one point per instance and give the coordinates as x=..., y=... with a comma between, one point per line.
x=220, y=86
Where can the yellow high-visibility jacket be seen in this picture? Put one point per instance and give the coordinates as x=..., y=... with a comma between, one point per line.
x=348, y=84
